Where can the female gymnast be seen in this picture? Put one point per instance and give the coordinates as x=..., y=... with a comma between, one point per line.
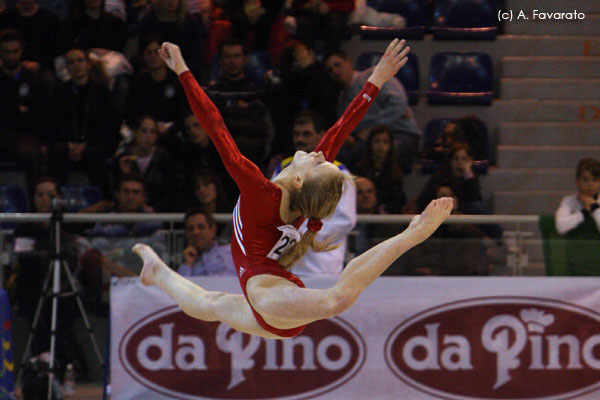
x=265, y=241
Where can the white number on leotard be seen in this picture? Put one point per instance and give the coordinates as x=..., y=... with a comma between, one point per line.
x=289, y=237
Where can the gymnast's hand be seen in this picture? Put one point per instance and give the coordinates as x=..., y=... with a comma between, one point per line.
x=171, y=55
x=390, y=63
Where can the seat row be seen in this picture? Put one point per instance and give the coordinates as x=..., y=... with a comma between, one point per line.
x=452, y=19
x=454, y=77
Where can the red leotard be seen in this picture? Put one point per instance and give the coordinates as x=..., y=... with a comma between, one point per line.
x=256, y=216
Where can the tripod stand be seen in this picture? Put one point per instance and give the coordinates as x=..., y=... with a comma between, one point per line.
x=57, y=263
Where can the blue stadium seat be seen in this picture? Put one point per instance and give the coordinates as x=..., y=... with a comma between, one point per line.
x=465, y=20
x=460, y=78
x=257, y=64
x=408, y=74
x=433, y=130
x=81, y=196
x=12, y=200
x=412, y=10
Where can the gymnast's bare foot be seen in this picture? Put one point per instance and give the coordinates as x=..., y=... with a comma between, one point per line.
x=152, y=263
x=422, y=226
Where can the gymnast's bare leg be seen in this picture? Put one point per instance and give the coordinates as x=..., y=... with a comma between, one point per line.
x=281, y=303
x=196, y=301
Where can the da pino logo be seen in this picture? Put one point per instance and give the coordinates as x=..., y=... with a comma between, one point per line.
x=180, y=357
x=499, y=348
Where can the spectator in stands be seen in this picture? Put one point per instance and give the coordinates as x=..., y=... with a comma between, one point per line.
x=161, y=173
x=39, y=27
x=24, y=116
x=208, y=192
x=366, y=197
x=203, y=255
x=215, y=26
x=208, y=195
x=170, y=20
x=307, y=132
x=380, y=166
x=457, y=170
x=321, y=19
x=575, y=209
x=455, y=249
x=33, y=247
x=366, y=203
x=241, y=103
x=197, y=152
x=155, y=90
x=88, y=26
x=131, y=198
x=468, y=130
x=304, y=84
x=368, y=235
x=390, y=108
x=109, y=252
x=253, y=20
x=85, y=124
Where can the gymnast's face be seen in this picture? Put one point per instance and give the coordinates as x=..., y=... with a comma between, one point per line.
x=309, y=165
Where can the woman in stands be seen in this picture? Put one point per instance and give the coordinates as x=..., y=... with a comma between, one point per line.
x=379, y=164
x=266, y=242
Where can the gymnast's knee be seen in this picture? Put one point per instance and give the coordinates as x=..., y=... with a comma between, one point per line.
x=340, y=301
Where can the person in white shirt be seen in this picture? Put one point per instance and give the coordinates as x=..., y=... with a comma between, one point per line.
x=308, y=130
x=575, y=208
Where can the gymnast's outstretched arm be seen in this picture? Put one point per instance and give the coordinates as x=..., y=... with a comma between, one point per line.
x=242, y=170
x=392, y=60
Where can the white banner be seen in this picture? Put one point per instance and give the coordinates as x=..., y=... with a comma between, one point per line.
x=405, y=338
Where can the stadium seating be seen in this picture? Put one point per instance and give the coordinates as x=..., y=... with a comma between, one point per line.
x=465, y=20
x=80, y=196
x=408, y=74
x=412, y=10
x=12, y=200
x=460, y=78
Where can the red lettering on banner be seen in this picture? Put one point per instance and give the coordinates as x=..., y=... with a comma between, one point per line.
x=176, y=355
x=589, y=113
x=499, y=348
x=591, y=47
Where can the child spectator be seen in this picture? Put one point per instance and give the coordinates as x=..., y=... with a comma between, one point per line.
x=576, y=208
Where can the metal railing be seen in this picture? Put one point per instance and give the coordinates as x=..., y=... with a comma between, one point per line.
x=513, y=237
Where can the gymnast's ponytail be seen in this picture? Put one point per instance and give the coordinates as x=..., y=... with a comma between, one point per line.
x=316, y=200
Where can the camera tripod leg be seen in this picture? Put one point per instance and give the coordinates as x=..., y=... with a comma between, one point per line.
x=34, y=326
x=83, y=313
x=55, y=293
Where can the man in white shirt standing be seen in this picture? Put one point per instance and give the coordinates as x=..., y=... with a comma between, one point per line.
x=307, y=132
x=575, y=208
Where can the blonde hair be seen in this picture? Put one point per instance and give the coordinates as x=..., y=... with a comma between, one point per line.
x=317, y=199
